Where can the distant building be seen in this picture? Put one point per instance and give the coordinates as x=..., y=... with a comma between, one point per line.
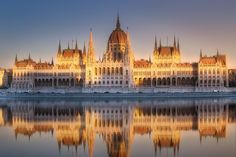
x=232, y=77
x=76, y=68
x=3, y=78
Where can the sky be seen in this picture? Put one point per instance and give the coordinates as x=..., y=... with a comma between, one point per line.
x=35, y=27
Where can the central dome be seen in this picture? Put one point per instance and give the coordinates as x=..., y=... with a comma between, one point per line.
x=118, y=35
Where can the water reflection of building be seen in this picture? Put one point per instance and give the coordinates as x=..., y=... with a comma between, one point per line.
x=117, y=123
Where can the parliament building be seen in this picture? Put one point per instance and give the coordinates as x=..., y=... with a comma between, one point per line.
x=77, y=68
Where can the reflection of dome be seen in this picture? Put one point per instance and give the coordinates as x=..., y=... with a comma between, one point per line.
x=118, y=35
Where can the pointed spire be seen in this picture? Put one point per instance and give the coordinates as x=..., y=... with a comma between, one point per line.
x=160, y=44
x=217, y=53
x=150, y=59
x=52, y=62
x=90, y=54
x=178, y=44
x=90, y=48
x=174, y=42
x=59, y=47
x=68, y=46
x=16, y=59
x=155, y=45
x=39, y=60
x=118, y=22
x=29, y=57
x=76, y=45
x=201, y=53
x=84, y=50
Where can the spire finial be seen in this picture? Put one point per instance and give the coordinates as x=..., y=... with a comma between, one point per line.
x=118, y=21
x=160, y=44
x=16, y=59
x=52, y=62
x=76, y=45
x=84, y=50
x=155, y=45
x=174, y=42
x=201, y=53
x=178, y=44
x=59, y=47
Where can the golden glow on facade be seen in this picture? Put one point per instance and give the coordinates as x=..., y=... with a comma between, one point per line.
x=118, y=68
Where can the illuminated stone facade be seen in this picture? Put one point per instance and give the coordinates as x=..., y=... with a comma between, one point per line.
x=79, y=69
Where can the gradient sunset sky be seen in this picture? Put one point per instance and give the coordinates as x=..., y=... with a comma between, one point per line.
x=35, y=27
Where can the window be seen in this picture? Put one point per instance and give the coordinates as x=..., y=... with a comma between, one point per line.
x=121, y=71
x=96, y=73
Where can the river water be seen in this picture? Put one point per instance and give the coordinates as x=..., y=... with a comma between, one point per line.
x=118, y=128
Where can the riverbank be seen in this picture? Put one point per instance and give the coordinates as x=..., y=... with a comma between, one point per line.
x=96, y=96
x=97, y=93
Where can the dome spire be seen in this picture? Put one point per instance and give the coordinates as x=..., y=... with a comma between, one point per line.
x=118, y=22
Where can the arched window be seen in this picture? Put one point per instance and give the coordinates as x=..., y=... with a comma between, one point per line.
x=104, y=71
x=96, y=73
x=121, y=71
x=117, y=70
x=112, y=70
x=108, y=71
x=100, y=71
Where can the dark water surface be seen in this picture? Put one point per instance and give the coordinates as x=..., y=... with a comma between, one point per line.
x=118, y=128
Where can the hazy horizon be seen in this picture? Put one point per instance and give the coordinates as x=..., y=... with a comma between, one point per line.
x=36, y=27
